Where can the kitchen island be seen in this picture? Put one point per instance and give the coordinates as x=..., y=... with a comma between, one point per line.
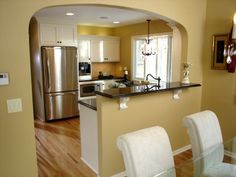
x=149, y=105
x=89, y=133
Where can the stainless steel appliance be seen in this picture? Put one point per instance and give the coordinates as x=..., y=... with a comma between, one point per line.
x=85, y=71
x=58, y=86
x=86, y=89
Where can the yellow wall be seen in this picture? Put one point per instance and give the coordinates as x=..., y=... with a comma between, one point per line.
x=94, y=30
x=219, y=91
x=17, y=150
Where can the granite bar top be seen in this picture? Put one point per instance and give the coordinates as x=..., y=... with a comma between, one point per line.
x=144, y=89
x=90, y=103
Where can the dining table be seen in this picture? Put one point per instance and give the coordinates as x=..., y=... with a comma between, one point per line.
x=207, y=164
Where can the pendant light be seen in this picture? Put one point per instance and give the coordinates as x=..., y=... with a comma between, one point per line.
x=147, y=49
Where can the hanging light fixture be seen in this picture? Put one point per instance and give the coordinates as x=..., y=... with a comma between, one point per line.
x=147, y=48
x=229, y=49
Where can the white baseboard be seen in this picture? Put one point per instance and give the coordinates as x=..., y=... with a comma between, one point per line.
x=121, y=174
x=95, y=171
x=177, y=151
x=180, y=150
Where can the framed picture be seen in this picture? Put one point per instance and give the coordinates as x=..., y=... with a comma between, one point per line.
x=218, y=59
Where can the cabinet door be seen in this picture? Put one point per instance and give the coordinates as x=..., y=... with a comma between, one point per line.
x=67, y=35
x=111, y=50
x=48, y=34
x=96, y=50
x=84, y=50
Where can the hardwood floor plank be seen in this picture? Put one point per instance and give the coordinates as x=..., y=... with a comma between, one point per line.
x=58, y=149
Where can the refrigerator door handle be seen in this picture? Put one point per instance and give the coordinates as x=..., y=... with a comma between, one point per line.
x=57, y=94
x=61, y=94
x=48, y=75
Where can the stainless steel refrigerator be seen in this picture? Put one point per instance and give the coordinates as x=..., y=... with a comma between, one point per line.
x=58, y=86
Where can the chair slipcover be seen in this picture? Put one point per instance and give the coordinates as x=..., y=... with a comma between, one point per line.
x=205, y=134
x=146, y=152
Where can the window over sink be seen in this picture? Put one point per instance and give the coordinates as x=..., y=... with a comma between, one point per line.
x=159, y=65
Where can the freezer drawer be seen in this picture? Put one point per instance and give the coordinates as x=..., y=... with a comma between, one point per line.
x=61, y=105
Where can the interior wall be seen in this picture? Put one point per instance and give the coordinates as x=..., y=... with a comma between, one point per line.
x=18, y=150
x=219, y=86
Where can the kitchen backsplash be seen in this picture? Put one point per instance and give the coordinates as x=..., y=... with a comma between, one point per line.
x=106, y=68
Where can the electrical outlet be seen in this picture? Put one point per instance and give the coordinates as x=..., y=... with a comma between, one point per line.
x=14, y=105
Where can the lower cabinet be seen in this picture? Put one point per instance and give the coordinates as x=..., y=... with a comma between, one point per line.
x=89, y=137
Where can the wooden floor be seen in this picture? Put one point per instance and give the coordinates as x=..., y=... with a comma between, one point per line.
x=58, y=150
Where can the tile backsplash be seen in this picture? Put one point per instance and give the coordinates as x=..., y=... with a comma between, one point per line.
x=106, y=68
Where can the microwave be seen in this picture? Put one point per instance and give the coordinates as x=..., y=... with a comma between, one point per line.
x=87, y=89
x=85, y=70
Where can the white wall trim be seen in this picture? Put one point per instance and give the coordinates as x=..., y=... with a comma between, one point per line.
x=121, y=174
x=177, y=151
x=89, y=165
x=182, y=149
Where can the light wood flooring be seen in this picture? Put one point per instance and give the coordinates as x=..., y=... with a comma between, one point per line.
x=58, y=150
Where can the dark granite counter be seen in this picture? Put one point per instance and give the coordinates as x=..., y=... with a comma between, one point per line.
x=143, y=89
x=90, y=103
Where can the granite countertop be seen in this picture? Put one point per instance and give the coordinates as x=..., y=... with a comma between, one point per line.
x=143, y=89
x=90, y=103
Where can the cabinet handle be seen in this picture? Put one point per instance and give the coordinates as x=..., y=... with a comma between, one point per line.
x=105, y=58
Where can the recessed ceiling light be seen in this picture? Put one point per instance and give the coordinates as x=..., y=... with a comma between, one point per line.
x=103, y=17
x=70, y=14
x=116, y=22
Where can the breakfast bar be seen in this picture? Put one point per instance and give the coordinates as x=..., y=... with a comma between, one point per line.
x=106, y=117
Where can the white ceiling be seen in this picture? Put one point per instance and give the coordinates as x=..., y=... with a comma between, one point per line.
x=91, y=15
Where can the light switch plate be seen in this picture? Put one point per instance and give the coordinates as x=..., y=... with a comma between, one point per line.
x=14, y=105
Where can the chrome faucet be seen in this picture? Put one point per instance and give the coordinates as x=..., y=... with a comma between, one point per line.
x=158, y=79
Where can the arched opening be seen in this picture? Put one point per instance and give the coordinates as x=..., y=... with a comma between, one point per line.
x=159, y=25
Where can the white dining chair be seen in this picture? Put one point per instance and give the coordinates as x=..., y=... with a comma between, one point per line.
x=205, y=134
x=147, y=152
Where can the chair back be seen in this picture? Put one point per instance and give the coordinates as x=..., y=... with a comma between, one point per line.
x=146, y=152
x=205, y=134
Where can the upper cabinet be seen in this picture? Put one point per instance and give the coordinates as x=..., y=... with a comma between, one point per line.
x=99, y=48
x=58, y=35
x=111, y=49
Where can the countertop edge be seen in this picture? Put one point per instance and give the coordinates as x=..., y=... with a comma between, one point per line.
x=87, y=105
x=183, y=86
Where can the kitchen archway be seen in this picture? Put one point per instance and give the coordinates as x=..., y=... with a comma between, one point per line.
x=46, y=130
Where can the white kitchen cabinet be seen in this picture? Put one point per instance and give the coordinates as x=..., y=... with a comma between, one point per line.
x=96, y=49
x=58, y=35
x=102, y=48
x=111, y=50
x=84, y=50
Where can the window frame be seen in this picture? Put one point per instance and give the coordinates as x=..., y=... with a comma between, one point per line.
x=169, y=54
